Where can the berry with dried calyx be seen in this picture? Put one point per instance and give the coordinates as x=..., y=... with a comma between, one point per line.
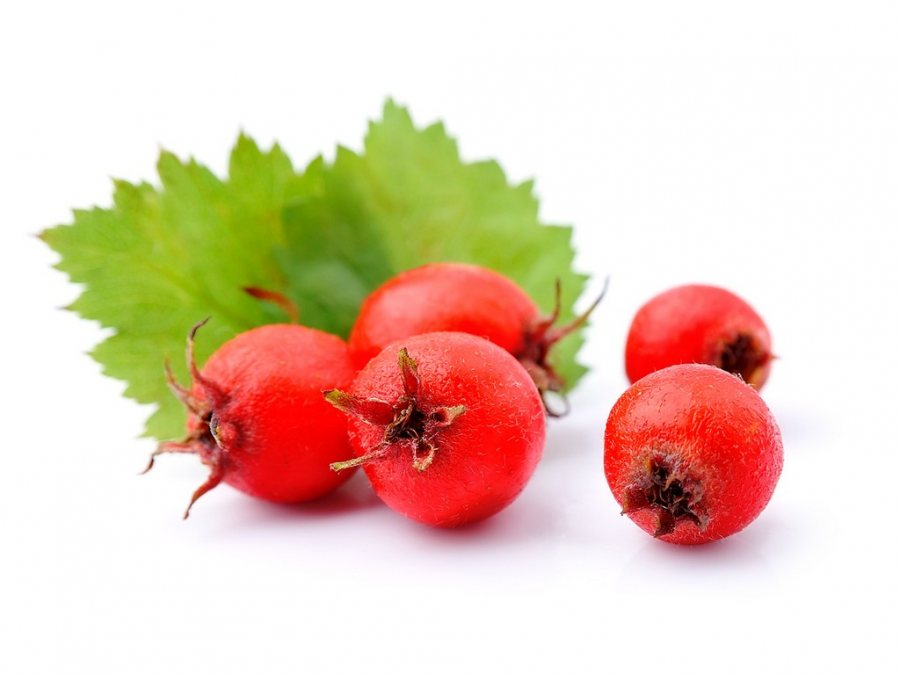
x=469, y=299
x=447, y=426
x=692, y=454
x=699, y=324
x=256, y=415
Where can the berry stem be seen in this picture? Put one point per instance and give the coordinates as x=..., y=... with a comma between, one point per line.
x=410, y=372
x=444, y=417
x=187, y=399
x=188, y=446
x=554, y=335
x=374, y=455
x=204, y=440
x=280, y=300
x=189, y=353
x=372, y=410
x=420, y=464
x=540, y=338
x=216, y=474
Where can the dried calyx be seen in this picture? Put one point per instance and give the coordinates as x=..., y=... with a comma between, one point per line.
x=745, y=357
x=670, y=492
x=539, y=338
x=408, y=423
x=204, y=438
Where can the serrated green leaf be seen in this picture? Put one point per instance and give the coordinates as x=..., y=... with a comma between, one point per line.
x=159, y=260
x=409, y=199
x=162, y=258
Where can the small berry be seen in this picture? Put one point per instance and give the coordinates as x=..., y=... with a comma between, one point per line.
x=692, y=454
x=256, y=414
x=699, y=324
x=467, y=299
x=447, y=426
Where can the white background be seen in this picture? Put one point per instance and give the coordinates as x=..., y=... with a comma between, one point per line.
x=752, y=145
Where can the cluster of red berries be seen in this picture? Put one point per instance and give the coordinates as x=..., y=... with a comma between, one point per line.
x=692, y=453
x=440, y=395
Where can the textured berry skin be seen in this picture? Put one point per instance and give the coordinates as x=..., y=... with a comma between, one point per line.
x=482, y=459
x=692, y=454
x=699, y=324
x=257, y=416
x=443, y=297
x=277, y=433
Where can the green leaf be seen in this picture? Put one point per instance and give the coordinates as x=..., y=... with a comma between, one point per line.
x=163, y=257
x=409, y=199
x=159, y=260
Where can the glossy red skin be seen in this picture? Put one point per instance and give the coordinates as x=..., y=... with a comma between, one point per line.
x=716, y=426
x=278, y=433
x=484, y=458
x=443, y=297
x=690, y=324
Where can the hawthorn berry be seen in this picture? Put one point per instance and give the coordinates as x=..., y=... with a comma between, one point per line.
x=469, y=299
x=256, y=415
x=447, y=426
x=692, y=454
x=699, y=324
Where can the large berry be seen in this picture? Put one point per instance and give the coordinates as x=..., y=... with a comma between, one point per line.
x=467, y=299
x=699, y=324
x=256, y=414
x=448, y=427
x=692, y=454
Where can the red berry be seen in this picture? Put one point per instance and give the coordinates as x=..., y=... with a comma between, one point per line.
x=448, y=427
x=257, y=418
x=467, y=299
x=699, y=324
x=692, y=454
